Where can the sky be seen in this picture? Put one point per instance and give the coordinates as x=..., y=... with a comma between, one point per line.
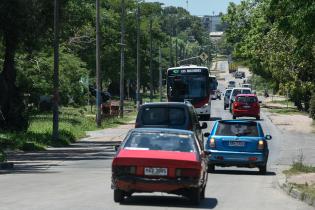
x=200, y=7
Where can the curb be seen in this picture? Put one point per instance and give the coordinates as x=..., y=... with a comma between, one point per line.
x=6, y=166
x=290, y=190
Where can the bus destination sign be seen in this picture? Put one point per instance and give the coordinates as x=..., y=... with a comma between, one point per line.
x=185, y=71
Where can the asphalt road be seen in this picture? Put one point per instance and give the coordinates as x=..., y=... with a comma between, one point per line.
x=79, y=178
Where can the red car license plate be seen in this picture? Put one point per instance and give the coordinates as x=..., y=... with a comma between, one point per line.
x=155, y=171
x=236, y=143
x=246, y=107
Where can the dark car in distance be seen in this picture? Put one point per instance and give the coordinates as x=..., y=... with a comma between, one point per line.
x=175, y=115
x=239, y=75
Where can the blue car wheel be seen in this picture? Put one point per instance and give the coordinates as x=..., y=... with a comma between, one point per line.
x=211, y=168
x=263, y=169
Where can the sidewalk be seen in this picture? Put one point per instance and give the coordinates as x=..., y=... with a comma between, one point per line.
x=297, y=141
x=109, y=134
x=98, y=145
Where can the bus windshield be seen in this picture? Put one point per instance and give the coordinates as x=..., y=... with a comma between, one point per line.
x=187, y=86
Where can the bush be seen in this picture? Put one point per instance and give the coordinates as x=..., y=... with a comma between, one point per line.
x=312, y=106
x=3, y=156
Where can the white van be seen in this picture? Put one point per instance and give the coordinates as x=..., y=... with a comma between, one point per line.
x=247, y=86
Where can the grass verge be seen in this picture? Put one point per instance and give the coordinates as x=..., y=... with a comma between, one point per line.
x=306, y=189
x=287, y=111
x=298, y=168
x=73, y=123
x=283, y=102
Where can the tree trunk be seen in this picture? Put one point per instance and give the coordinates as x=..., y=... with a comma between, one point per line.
x=12, y=108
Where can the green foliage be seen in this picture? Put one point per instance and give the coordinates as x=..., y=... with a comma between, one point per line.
x=35, y=76
x=299, y=167
x=2, y=156
x=312, y=106
x=74, y=122
x=307, y=190
x=276, y=39
x=26, y=31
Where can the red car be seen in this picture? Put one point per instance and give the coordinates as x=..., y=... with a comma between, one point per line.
x=246, y=105
x=160, y=160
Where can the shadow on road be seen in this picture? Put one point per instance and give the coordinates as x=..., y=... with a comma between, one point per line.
x=215, y=118
x=241, y=172
x=39, y=162
x=169, y=201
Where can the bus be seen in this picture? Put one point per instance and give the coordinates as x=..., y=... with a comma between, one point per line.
x=190, y=83
x=213, y=83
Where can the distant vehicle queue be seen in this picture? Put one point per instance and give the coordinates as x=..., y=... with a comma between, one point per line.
x=166, y=152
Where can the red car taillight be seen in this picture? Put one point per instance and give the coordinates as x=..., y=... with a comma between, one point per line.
x=187, y=172
x=261, y=145
x=236, y=104
x=124, y=170
x=255, y=105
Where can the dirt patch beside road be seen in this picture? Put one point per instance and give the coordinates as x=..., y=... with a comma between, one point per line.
x=295, y=123
x=286, y=116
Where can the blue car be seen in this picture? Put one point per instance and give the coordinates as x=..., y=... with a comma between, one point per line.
x=240, y=143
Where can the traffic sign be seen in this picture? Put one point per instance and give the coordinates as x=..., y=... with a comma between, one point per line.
x=203, y=56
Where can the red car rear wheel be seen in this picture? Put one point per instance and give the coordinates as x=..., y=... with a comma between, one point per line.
x=203, y=193
x=195, y=196
x=119, y=195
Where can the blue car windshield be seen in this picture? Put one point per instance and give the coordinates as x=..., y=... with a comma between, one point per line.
x=237, y=129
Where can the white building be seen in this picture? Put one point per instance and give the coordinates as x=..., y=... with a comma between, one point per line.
x=212, y=23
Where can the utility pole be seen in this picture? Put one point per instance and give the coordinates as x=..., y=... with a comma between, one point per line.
x=122, y=60
x=138, y=57
x=98, y=67
x=151, y=70
x=171, y=53
x=160, y=73
x=176, y=51
x=55, y=134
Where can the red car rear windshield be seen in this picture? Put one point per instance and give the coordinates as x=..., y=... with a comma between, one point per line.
x=246, y=99
x=237, y=129
x=160, y=141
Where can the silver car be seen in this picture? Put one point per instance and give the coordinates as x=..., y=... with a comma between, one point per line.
x=227, y=97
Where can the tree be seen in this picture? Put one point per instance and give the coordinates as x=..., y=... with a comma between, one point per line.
x=22, y=25
x=276, y=39
x=26, y=43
